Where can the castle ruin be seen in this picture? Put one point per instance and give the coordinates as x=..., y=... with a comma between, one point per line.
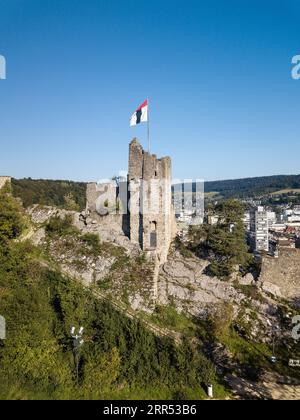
x=140, y=205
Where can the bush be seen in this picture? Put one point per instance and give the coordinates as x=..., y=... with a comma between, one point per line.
x=11, y=220
x=221, y=320
x=93, y=241
x=61, y=227
x=181, y=248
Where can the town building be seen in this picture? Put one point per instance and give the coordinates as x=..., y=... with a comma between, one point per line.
x=259, y=229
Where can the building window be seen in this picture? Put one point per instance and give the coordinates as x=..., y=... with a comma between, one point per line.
x=153, y=234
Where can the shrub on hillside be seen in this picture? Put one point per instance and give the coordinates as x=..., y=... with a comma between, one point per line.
x=61, y=226
x=11, y=220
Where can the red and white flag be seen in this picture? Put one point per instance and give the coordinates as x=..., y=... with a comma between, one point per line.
x=140, y=115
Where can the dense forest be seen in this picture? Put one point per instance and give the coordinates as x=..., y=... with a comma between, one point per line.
x=247, y=187
x=119, y=357
x=253, y=187
x=64, y=194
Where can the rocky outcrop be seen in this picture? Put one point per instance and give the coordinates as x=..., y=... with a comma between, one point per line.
x=184, y=281
x=118, y=267
x=108, y=228
x=247, y=280
x=122, y=271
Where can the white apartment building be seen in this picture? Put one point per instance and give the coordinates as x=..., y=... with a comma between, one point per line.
x=246, y=220
x=259, y=229
x=272, y=219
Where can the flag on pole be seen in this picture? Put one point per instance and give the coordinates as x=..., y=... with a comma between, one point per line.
x=140, y=115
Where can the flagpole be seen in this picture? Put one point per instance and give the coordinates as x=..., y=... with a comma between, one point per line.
x=148, y=129
x=149, y=140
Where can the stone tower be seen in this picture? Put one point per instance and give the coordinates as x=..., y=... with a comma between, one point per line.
x=151, y=215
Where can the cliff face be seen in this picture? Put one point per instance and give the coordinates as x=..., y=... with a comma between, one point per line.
x=281, y=276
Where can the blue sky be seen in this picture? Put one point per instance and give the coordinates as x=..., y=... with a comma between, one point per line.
x=217, y=74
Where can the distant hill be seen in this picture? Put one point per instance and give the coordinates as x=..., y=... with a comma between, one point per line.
x=253, y=187
x=246, y=187
x=65, y=194
x=71, y=195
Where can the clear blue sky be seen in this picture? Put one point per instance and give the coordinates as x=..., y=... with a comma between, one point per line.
x=217, y=74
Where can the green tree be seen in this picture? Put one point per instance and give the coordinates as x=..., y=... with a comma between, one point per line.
x=11, y=219
x=100, y=373
x=220, y=320
x=226, y=241
x=70, y=203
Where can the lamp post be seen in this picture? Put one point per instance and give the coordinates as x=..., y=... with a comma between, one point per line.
x=77, y=343
x=274, y=330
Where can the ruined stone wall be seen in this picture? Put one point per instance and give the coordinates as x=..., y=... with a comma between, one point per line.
x=135, y=174
x=135, y=163
x=102, y=198
x=4, y=180
x=281, y=276
x=135, y=226
x=105, y=208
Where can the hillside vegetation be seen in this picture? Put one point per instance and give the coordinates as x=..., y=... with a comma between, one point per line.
x=247, y=187
x=224, y=248
x=119, y=358
x=64, y=194
x=251, y=187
